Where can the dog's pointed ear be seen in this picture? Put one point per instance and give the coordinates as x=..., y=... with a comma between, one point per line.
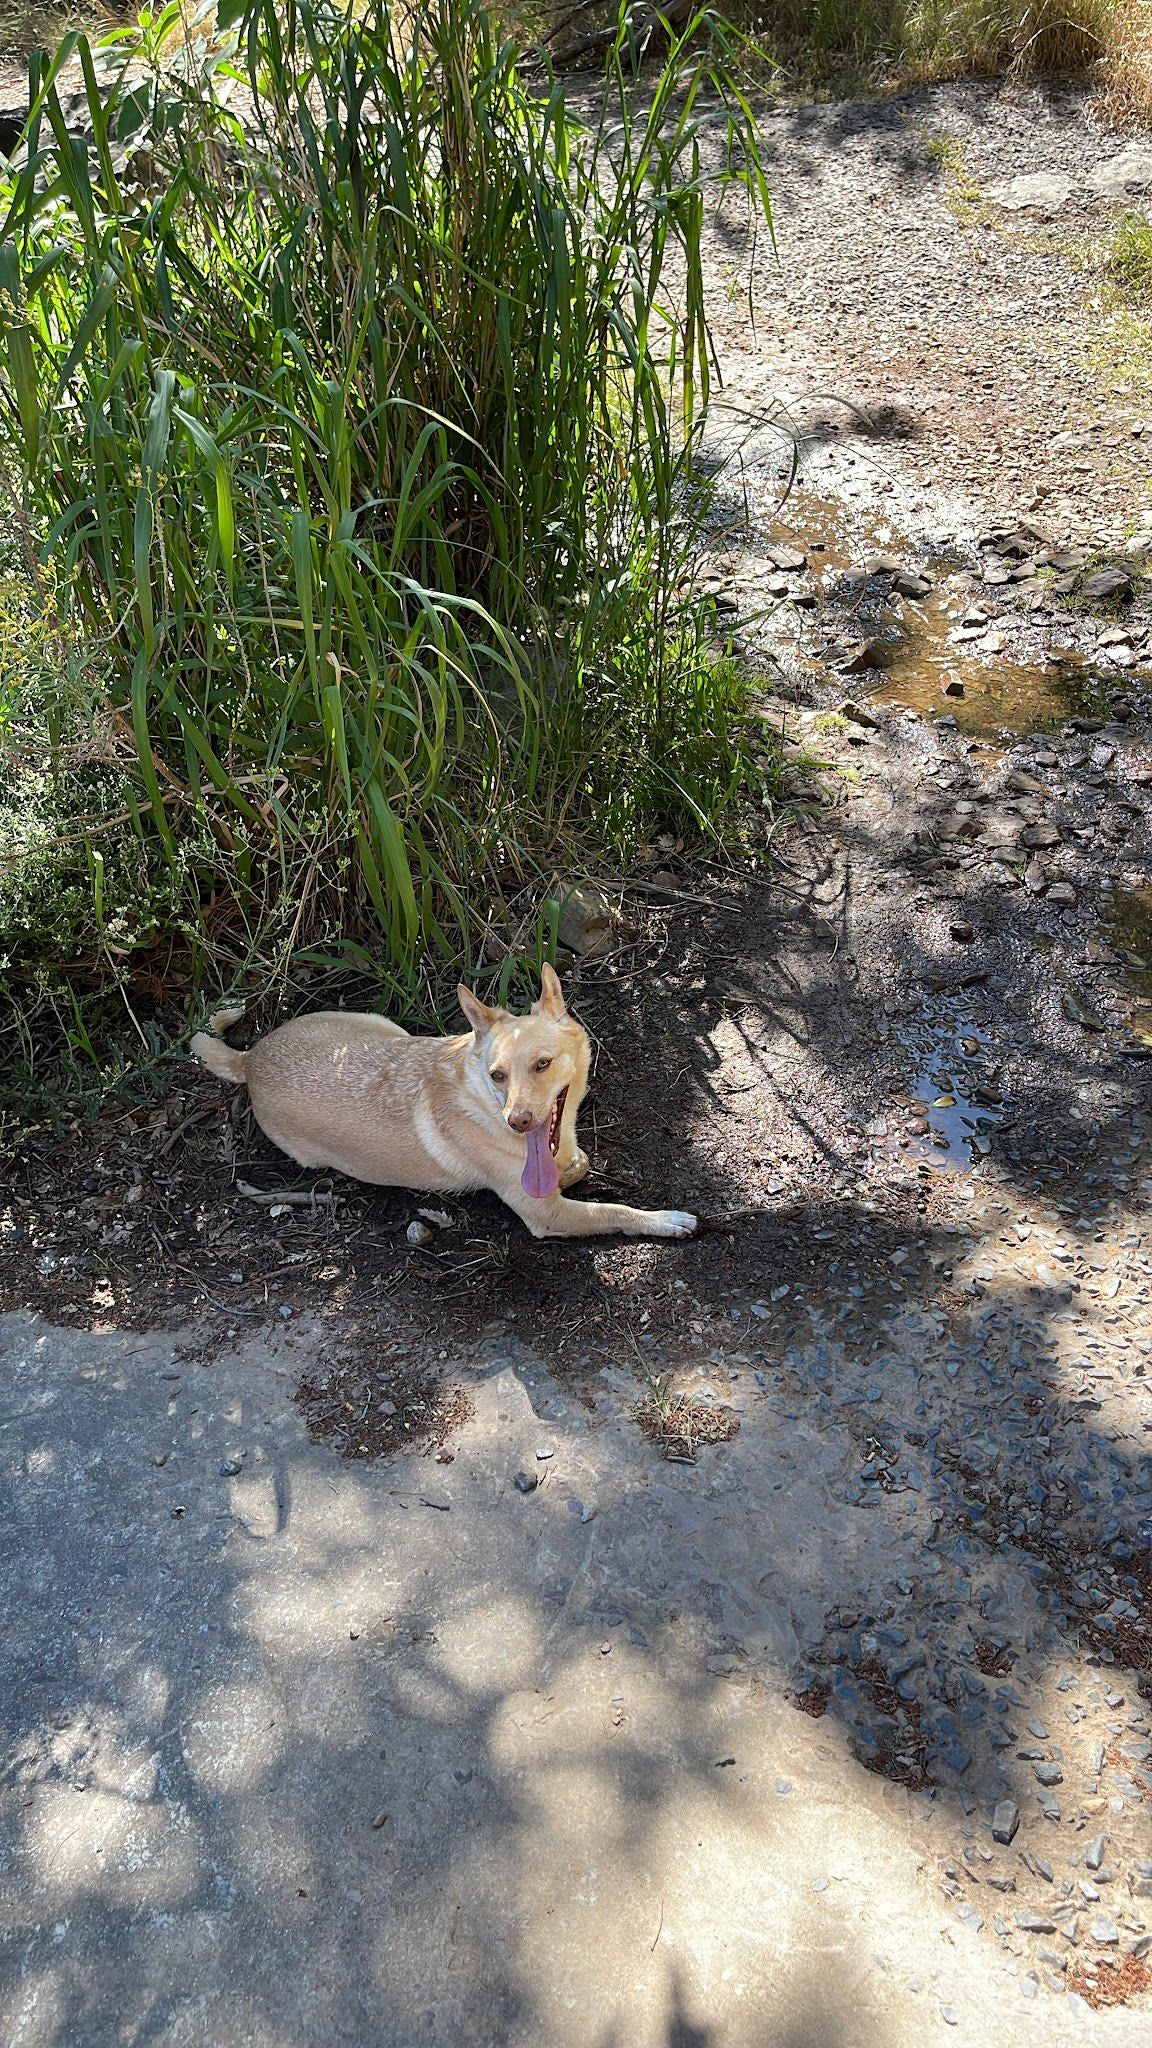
x=480, y=1017
x=551, y=1003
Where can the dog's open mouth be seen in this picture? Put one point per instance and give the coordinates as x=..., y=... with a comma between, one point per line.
x=540, y=1177
x=554, y=1122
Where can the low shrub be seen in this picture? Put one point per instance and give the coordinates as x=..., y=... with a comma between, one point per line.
x=356, y=384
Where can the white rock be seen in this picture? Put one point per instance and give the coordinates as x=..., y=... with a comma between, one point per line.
x=1122, y=176
x=1033, y=192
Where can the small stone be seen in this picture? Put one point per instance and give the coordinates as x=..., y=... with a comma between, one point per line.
x=949, y=2015
x=953, y=687
x=1049, y=1774
x=1094, y=1853
x=229, y=1467
x=1104, y=1930
x=1035, y=878
x=874, y=653
x=525, y=1482
x=419, y=1233
x=1027, y=785
x=1105, y=584
x=1005, y=1821
x=1035, y=1923
x=962, y=932
x=589, y=918
x=1061, y=893
x=1079, y=1013
x=858, y=715
x=907, y=583
x=544, y=1452
x=1044, y=833
x=783, y=557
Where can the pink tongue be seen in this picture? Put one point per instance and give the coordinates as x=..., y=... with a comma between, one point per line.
x=541, y=1176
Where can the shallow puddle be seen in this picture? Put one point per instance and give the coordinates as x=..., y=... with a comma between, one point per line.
x=944, y=654
x=953, y=1103
x=992, y=696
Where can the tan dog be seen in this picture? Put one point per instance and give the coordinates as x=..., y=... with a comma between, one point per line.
x=494, y=1108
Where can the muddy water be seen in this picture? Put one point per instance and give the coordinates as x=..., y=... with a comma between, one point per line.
x=925, y=646
x=1000, y=698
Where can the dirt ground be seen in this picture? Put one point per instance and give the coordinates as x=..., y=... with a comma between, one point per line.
x=902, y=1073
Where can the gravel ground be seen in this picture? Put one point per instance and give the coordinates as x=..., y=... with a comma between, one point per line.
x=906, y=1080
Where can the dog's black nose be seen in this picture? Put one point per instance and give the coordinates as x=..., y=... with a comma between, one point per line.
x=520, y=1119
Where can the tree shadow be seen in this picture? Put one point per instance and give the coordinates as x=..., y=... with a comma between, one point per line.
x=349, y=1770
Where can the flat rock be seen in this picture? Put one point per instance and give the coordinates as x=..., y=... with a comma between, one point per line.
x=1033, y=192
x=1122, y=176
x=1106, y=583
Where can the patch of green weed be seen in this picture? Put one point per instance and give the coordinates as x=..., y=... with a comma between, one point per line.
x=1129, y=259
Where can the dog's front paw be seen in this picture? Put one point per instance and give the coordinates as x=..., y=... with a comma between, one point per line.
x=575, y=1170
x=674, y=1223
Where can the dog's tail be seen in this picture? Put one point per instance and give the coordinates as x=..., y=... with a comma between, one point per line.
x=214, y=1054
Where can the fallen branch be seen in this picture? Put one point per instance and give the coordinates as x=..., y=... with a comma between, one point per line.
x=298, y=1199
x=600, y=40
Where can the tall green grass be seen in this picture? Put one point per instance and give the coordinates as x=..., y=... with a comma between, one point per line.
x=354, y=385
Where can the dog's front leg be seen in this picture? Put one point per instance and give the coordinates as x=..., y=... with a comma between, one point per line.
x=559, y=1218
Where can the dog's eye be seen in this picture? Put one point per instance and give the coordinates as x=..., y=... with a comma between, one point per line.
x=499, y=1076
x=541, y=1066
